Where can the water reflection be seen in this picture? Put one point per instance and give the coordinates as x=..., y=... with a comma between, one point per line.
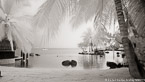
x=92, y=61
x=74, y=61
x=64, y=61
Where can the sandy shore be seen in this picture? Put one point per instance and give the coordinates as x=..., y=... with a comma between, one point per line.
x=11, y=74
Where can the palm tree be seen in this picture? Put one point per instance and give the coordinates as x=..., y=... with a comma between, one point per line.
x=129, y=51
x=83, y=45
x=15, y=26
x=87, y=39
x=101, y=36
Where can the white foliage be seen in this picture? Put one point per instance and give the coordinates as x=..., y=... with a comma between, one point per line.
x=50, y=15
x=18, y=28
x=2, y=31
x=23, y=33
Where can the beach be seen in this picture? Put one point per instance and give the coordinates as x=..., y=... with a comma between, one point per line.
x=12, y=74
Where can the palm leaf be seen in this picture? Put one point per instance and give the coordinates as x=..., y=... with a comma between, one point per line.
x=22, y=32
x=7, y=5
x=136, y=10
x=50, y=14
x=2, y=15
x=2, y=31
x=84, y=10
x=12, y=7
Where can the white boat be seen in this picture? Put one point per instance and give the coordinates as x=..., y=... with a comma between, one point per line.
x=45, y=49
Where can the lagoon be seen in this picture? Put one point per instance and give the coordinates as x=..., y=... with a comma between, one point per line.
x=52, y=59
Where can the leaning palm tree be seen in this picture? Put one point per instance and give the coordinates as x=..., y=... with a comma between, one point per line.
x=135, y=23
x=135, y=68
x=15, y=26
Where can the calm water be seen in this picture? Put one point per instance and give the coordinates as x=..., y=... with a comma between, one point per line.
x=53, y=58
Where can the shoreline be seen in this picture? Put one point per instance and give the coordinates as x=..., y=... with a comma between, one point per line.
x=12, y=74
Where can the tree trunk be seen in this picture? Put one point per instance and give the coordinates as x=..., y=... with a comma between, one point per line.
x=134, y=66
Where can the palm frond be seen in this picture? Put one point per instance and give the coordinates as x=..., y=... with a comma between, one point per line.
x=22, y=33
x=84, y=10
x=50, y=14
x=2, y=31
x=1, y=6
x=108, y=16
x=136, y=10
x=2, y=15
x=7, y=5
x=12, y=7
x=9, y=36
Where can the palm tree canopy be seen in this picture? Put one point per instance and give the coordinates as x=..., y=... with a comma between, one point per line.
x=52, y=12
x=16, y=27
x=136, y=11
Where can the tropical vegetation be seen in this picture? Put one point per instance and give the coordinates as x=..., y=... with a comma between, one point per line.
x=14, y=25
x=128, y=16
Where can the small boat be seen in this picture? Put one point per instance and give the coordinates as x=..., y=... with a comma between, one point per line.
x=31, y=54
x=44, y=49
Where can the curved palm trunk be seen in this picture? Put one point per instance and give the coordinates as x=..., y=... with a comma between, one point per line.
x=135, y=67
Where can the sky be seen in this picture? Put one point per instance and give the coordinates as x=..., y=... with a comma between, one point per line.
x=67, y=37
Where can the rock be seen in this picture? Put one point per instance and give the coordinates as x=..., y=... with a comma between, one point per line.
x=119, y=65
x=66, y=63
x=37, y=54
x=112, y=65
x=73, y=63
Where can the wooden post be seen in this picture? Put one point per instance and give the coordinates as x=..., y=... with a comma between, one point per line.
x=21, y=58
x=113, y=54
x=26, y=60
x=0, y=74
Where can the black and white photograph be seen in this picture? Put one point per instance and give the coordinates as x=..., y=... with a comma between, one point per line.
x=72, y=40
